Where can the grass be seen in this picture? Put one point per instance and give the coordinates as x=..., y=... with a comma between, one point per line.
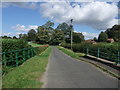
x=71, y=53
x=28, y=75
x=34, y=44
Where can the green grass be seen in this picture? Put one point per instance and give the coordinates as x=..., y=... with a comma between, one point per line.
x=28, y=75
x=71, y=53
x=34, y=44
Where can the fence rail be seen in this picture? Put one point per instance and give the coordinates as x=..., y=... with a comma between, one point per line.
x=104, y=54
x=17, y=57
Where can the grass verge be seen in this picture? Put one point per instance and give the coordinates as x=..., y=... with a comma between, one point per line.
x=28, y=75
x=78, y=55
x=70, y=53
x=34, y=44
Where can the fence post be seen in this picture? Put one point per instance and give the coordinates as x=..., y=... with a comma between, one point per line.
x=32, y=51
x=87, y=51
x=23, y=54
x=98, y=53
x=4, y=59
x=28, y=53
x=118, y=59
x=16, y=56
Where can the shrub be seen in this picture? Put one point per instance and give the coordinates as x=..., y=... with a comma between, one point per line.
x=13, y=44
x=107, y=50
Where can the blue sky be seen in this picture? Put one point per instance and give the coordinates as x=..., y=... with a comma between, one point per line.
x=16, y=17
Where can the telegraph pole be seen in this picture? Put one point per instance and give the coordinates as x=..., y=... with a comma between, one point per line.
x=71, y=26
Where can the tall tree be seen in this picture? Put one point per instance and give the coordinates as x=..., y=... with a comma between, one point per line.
x=114, y=32
x=95, y=39
x=58, y=37
x=14, y=37
x=78, y=37
x=66, y=30
x=48, y=25
x=43, y=36
x=102, y=37
x=23, y=36
x=32, y=35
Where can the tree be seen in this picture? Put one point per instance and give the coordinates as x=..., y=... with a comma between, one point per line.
x=23, y=36
x=66, y=30
x=114, y=32
x=78, y=37
x=102, y=37
x=32, y=35
x=20, y=36
x=95, y=39
x=48, y=25
x=44, y=32
x=43, y=36
x=14, y=37
x=58, y=37
x=6, y=37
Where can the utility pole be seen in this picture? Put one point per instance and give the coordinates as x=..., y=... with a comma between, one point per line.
x=71, y=26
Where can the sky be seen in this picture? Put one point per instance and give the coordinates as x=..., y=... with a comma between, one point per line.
x=89, y=18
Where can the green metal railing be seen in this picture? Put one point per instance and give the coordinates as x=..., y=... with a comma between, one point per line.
x=111, y=55
x=17, y=57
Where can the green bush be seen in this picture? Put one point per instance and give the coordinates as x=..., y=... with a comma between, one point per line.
x=13, y=44
x=24, y=51
x=107, y=50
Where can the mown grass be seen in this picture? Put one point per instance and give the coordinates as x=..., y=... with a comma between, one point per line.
x=28, y=75
x=71, y=53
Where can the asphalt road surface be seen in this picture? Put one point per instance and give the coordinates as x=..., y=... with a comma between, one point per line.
x=66, y=72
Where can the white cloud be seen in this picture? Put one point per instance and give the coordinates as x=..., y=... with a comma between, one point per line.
x=99, y=15
x=90, y=35
x=24, y=28
x=97, y=0
x=58, y=0
x=6, y=34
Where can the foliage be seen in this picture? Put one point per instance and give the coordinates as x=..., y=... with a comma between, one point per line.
x=6, y=37
x=28, y=75
x=44, y=33
x=95, y=39
x=44, y=36
x=66, y=30
x=110, y=50
x=10, y=60
x=58, y=37
x=23, y=36
x=78, y=37
x=32, y=35
x=14, y=37
x=103, y=37
x=48, y=25
x=114, y=32
x=110, y=47
x=13, y=44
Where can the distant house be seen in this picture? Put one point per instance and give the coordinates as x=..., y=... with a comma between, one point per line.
x=110, y=40
x=91, y=41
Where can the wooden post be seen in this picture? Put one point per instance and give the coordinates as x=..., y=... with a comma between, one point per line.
x=98, y=53
x=87, y=51
x=118, y=57
x=16, y=56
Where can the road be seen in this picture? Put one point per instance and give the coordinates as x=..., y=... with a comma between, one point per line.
x=66, y=72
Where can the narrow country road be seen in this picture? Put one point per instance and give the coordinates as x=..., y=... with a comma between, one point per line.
x=65, y=72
